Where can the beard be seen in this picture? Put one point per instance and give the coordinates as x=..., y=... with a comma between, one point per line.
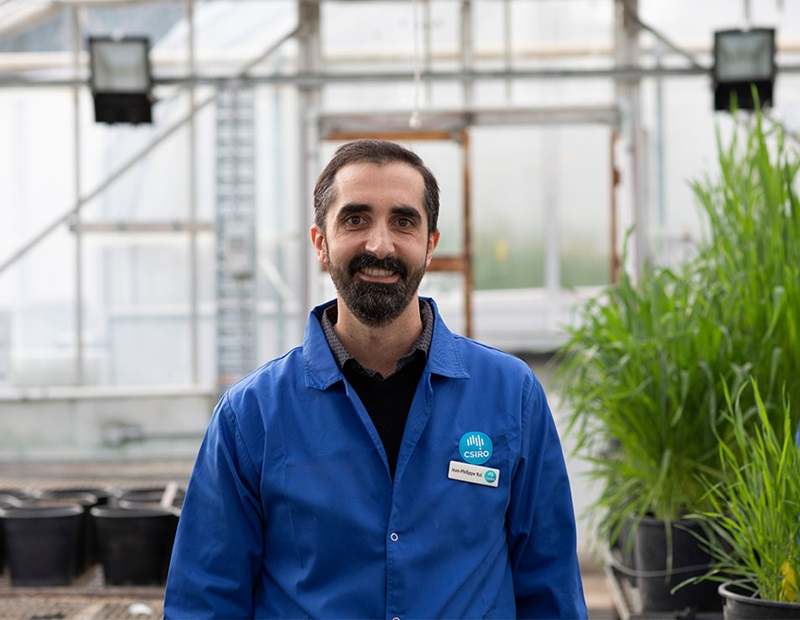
x=376, y=303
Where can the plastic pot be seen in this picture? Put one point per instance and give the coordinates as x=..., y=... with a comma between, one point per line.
x=740, y=604
x=42, y=543
x=656, y=580
x=135, y=545
x=64, y=497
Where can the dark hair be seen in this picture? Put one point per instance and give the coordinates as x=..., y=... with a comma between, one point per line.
x=379, y=152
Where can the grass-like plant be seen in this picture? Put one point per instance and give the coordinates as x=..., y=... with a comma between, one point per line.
x=755, y=510
x=646, y=369
x=640, y=372
x=753, y=255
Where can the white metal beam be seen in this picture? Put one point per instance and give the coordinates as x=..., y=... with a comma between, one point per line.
x=456, y=120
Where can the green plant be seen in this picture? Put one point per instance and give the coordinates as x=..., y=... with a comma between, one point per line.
x=646, y=369
x=753, y=254
x=754, y=518
x=639, y=372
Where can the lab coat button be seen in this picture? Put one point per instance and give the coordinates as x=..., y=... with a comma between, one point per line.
x=394, y=538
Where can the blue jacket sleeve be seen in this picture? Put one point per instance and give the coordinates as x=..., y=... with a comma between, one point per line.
x=217, y=554
x=541, y=521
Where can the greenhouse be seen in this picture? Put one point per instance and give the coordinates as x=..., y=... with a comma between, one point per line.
x=619, y=211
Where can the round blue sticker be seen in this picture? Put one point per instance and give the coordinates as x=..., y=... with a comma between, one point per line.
x=475, y=447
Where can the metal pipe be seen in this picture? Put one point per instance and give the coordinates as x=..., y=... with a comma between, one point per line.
x=279, y=197
x=448, y=121
x=309, y=61
x=627, y=93
x=660, y=162
x=172, y=61
x=312, y=80
x=95, y=392
x=119, y=434
x=414, y=120
x=194, y=330
x=466, y=51
x=76, y=40
x=469, y=281
x=507, y=48
x=614, y=265
x=176, y=226
x=99, y=3
x=427, y=49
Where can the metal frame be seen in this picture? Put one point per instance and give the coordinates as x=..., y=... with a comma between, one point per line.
x=72, y=216
x=311, y=77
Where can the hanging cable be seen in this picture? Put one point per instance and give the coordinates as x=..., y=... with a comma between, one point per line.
x=415, y=122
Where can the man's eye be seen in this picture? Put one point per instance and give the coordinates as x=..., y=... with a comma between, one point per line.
x=354, y=220
x=405, y=222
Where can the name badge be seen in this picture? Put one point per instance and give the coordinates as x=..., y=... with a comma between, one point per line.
x=475, y=474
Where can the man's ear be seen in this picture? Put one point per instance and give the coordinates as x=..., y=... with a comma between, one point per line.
x=433, y=241
x=318, y=239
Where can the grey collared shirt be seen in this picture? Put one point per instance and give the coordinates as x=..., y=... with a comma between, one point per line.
x=343, y=356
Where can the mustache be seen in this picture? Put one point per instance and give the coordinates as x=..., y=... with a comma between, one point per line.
x=390, y=263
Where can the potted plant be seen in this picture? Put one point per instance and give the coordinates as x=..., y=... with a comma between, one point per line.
x=754, y=520
x=640, y=375
x=646, y=369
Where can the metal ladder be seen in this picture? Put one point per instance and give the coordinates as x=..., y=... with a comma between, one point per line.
x=236, y=328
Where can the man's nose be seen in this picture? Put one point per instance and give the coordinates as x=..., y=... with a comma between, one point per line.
x=379, y=241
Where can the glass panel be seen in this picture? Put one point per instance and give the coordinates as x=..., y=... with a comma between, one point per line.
x=533, y=182
x=507, y=209
x=582, y=185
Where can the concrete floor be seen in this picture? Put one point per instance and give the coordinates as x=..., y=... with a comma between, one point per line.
x=146, y=603
x=598, y=598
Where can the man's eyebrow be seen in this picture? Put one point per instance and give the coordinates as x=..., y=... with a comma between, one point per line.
x=357, y=207
x=407, y=211
x=353, y=207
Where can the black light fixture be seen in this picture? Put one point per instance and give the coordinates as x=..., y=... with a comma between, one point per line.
x=743, y=59
x=121, y=82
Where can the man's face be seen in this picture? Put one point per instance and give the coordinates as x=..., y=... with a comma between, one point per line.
x=375, y=243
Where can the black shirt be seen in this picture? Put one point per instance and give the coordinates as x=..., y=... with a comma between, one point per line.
x=387, y=400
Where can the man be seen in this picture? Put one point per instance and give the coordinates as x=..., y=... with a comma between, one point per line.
x=386, y=468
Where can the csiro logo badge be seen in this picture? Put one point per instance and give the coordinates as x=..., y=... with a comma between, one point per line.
x=475, y=447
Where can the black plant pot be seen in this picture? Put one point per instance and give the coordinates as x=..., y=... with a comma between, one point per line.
x=16, y=493
x=42, y=544
x=150, y=496
x=741, y=605
x=6, y=501
x=101, y=494
x=88, y=555
x=654, y=578
x=135, y=544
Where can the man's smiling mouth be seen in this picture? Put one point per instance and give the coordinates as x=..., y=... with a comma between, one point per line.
x=377, y=273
